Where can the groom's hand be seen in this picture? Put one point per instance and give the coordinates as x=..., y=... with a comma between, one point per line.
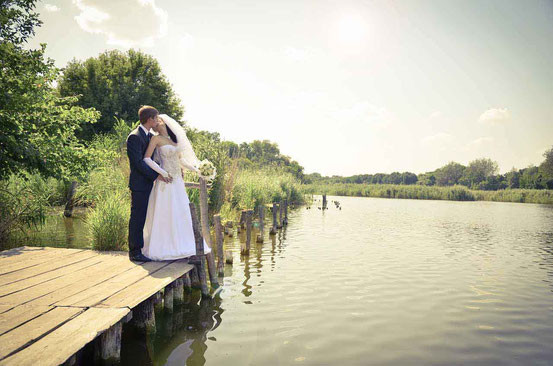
x=162, y=179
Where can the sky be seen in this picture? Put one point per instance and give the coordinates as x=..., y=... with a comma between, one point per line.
x=343, y=87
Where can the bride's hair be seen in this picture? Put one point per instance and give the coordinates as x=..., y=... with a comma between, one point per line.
x=171, y=134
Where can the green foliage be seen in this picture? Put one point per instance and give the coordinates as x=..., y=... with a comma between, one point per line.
x=108, y=221
x=38, y=127
x=267, y=154
x=263, y=186
x=117, y=84
x=450, y=174
x=24, y=199
x=478, y=171
x=454, y=193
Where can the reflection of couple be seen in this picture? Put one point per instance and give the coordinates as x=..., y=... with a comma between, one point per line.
x=160, y=226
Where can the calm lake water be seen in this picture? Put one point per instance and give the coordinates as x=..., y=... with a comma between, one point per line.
x=381, y=281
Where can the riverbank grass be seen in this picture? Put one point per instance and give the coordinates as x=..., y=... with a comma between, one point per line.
x=453, y=193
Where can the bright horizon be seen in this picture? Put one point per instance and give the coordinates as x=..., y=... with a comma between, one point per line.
x=345, y=88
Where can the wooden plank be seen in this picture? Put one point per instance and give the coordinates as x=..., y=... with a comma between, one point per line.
x=102, y=291
x=139, y=291
x=62, y=343
x=34, y=329
x=20, y=280
x=15, y=254
x=34, y=260
x=19, y=315
x=79, y=281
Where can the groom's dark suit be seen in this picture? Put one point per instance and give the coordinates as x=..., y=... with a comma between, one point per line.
x=141, y=180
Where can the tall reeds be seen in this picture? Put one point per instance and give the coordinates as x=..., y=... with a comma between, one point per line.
x=454, y=193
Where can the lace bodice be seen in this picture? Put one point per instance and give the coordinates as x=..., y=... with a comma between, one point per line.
x=170, y=160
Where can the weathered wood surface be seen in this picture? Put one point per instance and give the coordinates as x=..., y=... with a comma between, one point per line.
x=62, y=343
x=54, y=301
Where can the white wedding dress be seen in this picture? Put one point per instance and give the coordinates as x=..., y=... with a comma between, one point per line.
x=168, y=232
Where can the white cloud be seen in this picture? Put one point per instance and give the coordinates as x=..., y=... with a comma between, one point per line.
x=481, y=142
x=495, y=115
x=51, y=8
x=124, y=23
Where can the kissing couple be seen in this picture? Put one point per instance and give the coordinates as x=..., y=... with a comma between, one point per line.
x=160, y=226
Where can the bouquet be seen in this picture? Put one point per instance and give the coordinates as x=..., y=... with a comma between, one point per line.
x=207, y=170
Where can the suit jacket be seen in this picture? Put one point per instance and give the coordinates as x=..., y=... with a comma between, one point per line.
x=142, y=177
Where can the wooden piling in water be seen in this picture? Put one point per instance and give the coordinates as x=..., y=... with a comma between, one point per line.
x=280, y=211
x=228, y=256
x=195, y=278
x=261, y=223
x=68, y=212
x=143, y=316
x=242, y=222
x=285, y=221
x=199, y=250
x=168, y=298
x=274, y=227
x=158, y=301
x=324, y=201
x=187, y=283
x=219, y=240
x=249, y=215
x=178, y=292
x=107, y=347
x=206, y=234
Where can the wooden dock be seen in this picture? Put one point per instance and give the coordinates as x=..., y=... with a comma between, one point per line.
x=53, y=302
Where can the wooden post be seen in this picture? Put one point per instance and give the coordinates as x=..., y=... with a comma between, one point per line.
x=107, y=347
x=168, y=298
x=143, y=316
x=274, y=227
x=324, y=201
x=219, y=240
x=249, y=215
x=206, y=234
x=261, y=217
x=242, y=222
x=158, y=301
x=195, y=278
x=285, y=222
x=178, y=292
x=187, y=282
x=228, y=257
x=280, y=211
x=70, y=203
x=199, y=250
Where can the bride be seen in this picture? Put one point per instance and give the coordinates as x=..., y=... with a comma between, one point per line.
x=168, y=230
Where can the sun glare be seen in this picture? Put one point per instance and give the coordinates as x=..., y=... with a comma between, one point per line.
x=351, y=29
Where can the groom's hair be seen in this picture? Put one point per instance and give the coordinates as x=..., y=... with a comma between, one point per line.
x=146, y=112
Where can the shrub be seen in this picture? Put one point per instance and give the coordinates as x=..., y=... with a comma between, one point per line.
x=24, y=200
x=108, y=221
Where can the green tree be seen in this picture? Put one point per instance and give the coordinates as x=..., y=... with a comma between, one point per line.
x=38, y=127
x=547, y=165
x=478, y=171
x=449, y=174
x=512, y=178
x=117, y=84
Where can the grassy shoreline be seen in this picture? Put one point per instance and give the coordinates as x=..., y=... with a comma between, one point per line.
x=453, y=193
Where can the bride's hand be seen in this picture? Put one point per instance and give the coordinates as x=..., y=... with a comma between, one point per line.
x=169, y=178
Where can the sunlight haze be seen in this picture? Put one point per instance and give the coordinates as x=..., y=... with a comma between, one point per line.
x=349, y=87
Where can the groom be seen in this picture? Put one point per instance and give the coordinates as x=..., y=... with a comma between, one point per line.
x=141, y=179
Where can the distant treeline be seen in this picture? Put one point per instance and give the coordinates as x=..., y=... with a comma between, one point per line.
x=479, y=174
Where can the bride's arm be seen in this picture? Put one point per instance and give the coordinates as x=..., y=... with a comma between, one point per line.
x=148, y=158
x=186, y=165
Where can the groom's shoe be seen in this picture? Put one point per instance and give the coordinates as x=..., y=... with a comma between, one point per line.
x=139, y=257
